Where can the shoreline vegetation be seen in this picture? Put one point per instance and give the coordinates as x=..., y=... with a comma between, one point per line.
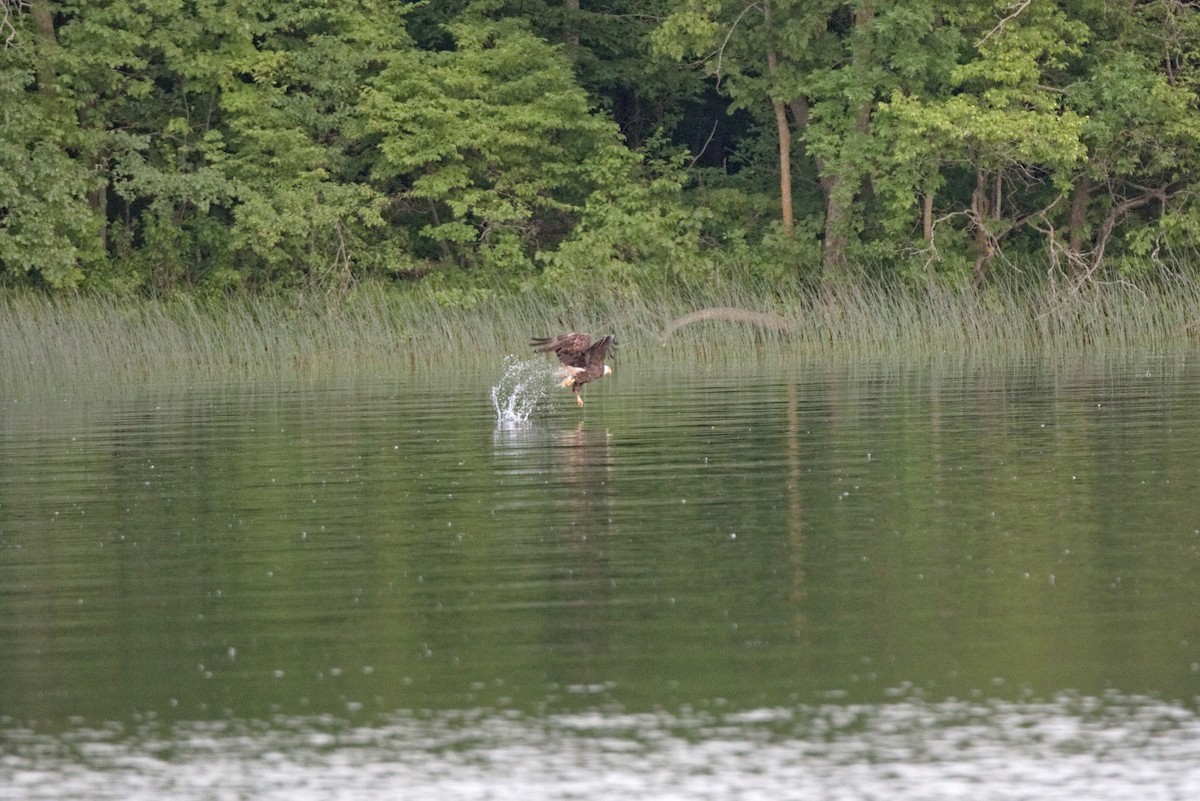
x=56, y=343
x=371, y=187
x=244, y=149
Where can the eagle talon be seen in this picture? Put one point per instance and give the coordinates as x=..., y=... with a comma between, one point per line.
x=582, y=360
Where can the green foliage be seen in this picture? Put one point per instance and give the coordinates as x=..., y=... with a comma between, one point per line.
x=1142, y=130
x=48, y=232
x=501, y=144
x=494, y=138
x=635, y=229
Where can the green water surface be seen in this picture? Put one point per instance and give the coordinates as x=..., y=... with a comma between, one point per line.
x=700, y=541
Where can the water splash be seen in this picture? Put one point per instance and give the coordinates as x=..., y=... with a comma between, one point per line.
x=520, y=389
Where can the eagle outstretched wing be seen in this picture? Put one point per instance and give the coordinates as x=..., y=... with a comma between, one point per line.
x=582, y=359
x=571, y=349
x=577, y=350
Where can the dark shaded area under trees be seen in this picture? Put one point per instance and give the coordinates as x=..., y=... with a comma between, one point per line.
x=235, y=146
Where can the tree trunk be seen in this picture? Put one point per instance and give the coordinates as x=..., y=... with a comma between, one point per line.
x=844, y=179
x=833, y=259
x=837, y=224
x=1076, y=225
x=785, y=168
x=837, y=209
x=927, y=212
x=43, y=21
x=571, y=21
x=784, y=134
x=985, y=242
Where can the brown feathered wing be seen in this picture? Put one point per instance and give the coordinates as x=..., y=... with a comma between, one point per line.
x=577, y=351
x=571, y=349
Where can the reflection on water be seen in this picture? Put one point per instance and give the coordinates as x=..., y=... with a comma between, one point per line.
x=796, y=581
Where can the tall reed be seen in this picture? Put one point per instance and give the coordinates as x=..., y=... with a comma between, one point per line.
x=55, y=343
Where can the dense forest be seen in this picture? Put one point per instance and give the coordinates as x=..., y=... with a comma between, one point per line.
x=166, y=145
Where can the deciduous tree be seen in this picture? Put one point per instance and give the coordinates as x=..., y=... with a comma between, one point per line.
x=488, y=146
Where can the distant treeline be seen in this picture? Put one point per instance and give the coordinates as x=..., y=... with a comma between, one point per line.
x=170, y=145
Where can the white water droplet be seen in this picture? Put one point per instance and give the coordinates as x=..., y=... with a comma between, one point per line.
x=520, y=389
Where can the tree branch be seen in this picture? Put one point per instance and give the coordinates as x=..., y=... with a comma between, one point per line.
x=8, y=10
x=1117, y=213
x=707, y=142
x=1017, y=8
x=729, y=35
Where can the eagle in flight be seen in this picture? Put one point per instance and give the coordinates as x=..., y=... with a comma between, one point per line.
x=582, y=360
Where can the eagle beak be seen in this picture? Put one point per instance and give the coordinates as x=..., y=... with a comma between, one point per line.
x=607, y=370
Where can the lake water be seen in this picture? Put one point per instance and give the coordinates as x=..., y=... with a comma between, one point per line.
x=756, y=582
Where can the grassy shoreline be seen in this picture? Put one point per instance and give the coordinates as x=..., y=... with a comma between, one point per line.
x=57, y=342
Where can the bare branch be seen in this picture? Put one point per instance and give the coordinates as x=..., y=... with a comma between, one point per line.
x=8, y=10
x=707, y=142
x=1118, y=213
x=1042, y=212
x=1016, y=9
x=729, y=35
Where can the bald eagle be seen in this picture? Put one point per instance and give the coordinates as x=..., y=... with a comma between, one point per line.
x=582, y=360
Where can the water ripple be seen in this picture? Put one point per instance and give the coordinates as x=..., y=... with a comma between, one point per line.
x=1066, y=748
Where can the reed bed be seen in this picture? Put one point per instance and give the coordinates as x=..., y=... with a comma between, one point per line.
x=57, y=343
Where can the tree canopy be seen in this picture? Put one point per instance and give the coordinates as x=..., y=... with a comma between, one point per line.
x=232, y=146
